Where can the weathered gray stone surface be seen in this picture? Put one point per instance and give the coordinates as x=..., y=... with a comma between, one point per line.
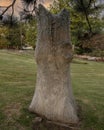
x=53, y=96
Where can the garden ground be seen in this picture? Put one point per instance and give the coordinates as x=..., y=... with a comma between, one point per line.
x=17, y=83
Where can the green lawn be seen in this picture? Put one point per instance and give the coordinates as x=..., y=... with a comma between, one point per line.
x=17, y=82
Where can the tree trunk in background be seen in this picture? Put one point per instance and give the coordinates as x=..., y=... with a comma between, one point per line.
x=53, y=96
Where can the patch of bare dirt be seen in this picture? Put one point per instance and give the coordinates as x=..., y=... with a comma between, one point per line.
x=43, y=124
x=12, y=109
x=12, y=112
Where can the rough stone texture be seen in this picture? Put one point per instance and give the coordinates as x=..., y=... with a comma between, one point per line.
x=53, y=96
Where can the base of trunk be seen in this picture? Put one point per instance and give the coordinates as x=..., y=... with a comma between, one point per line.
x=40, y=123
x=62, y=111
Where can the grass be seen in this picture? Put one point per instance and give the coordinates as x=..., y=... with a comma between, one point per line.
x=88, y=85
x=17, y=82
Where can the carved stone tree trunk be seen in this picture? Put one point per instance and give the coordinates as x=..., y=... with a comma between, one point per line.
x=53, y=96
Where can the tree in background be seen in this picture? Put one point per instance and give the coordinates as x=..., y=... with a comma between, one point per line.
x=29, y=29
x=20, y=32
x=17, y=34
x=10, y=37
x=3, y=40
x=85, y=21
x=30, y=32
x=84, y=15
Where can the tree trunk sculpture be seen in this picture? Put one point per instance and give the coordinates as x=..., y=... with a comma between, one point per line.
x=53, y=96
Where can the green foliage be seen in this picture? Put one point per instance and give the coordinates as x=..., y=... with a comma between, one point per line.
x=3, y=40
x=18, y=35
x=14, y=37
x=97, y=25
x=10, y=37
x=30, y=32
x=83, y=22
